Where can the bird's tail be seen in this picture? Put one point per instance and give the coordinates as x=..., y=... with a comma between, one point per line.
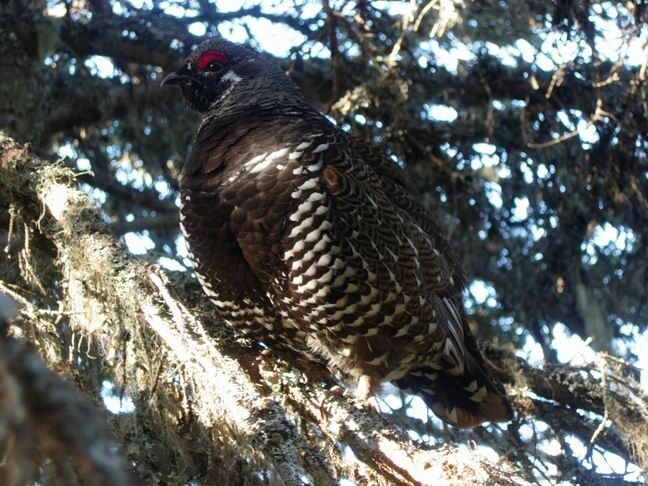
x=463, y=400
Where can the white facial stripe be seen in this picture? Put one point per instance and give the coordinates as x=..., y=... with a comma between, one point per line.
x=232, y=77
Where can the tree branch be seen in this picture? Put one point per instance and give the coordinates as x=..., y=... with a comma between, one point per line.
x=166, y=222
x=101, y=99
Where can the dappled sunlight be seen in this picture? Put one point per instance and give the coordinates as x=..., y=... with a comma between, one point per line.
x=520, y=126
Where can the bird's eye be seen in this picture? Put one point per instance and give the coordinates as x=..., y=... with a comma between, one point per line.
x=211, y=60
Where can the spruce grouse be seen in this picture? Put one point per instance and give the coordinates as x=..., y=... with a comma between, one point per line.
x=314, y=241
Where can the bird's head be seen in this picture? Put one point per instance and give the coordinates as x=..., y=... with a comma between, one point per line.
x=219, y=73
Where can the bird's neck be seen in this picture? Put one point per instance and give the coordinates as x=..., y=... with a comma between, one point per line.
x=267, y=108
x=266, y=94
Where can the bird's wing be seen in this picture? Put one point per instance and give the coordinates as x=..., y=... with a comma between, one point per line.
x=399, y=189
x=458, y=388
x=395, y=245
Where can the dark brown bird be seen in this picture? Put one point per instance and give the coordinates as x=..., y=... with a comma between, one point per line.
x=313, y=241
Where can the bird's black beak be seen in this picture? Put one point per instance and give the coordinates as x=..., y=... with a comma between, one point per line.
x=174, y=79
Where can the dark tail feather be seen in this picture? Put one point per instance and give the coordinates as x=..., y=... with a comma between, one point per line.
x=464, y=400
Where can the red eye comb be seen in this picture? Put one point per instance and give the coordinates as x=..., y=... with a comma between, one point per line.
x=211, y=56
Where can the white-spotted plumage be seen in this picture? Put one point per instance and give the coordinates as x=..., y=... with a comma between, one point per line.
x=314, y=242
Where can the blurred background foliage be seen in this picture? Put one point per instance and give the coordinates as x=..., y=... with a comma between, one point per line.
x=523, y=125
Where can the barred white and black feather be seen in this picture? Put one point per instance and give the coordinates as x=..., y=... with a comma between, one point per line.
x=312, y=240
